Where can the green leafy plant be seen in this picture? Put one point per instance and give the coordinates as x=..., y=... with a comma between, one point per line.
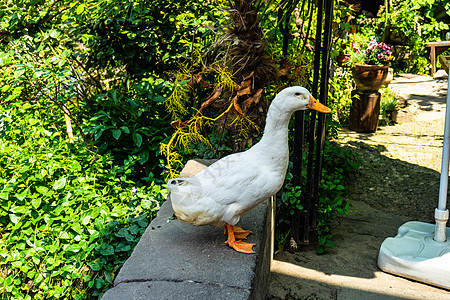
x=333, y=196
x=130, y=124
x=69, y=217
x=341, y=96
x=333, y=193
x=388, y=104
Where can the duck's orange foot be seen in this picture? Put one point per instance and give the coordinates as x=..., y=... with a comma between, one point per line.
x=238, y=232
x=242, y=247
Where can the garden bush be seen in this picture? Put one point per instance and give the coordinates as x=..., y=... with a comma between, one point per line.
x=69, y=217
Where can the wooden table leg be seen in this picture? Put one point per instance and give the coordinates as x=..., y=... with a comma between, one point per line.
x=433, y=60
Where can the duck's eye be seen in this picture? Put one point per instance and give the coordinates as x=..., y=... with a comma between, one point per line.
x=298, y=94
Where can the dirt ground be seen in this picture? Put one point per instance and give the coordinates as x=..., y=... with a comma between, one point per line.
x=398, y=182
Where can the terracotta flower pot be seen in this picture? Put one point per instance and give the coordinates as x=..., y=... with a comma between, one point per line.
x=369, y=78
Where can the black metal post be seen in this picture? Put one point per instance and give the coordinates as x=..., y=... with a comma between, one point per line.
x=311, y=132
x=320, y=140
x=297, y=162
x=307, y=218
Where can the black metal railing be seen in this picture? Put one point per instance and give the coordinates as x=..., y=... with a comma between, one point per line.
x=310, y=131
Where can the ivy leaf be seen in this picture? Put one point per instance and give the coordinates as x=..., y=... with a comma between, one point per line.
x=36, y=202
x=106, y=250
x=22, y=195
x=122, y=247
x=42, y=189
x=96, y=266
x=60, y=183
x=109, y=276
x=14, y=218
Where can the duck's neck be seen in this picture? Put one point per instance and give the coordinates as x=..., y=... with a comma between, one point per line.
x=274, y=142
x=276, y=129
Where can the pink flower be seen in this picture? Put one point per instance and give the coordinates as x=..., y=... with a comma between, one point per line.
x=380, y=56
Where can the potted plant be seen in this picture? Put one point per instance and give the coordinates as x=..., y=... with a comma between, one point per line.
x=370, y=67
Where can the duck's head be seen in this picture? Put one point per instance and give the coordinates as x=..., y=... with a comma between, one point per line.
x=298, y=98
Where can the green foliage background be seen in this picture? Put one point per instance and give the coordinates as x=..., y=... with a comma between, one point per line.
x=71, y=213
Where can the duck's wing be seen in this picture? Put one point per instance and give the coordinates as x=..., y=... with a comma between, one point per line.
x=235, y=178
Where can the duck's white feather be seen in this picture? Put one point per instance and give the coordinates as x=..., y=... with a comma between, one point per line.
x=235, y=184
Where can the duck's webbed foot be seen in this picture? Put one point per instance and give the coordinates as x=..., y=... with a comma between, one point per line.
x=237, y=232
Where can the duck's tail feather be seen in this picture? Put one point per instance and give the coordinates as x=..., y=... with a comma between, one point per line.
x=183, y=192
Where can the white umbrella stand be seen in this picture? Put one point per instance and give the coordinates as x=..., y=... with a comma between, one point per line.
x=420, y=251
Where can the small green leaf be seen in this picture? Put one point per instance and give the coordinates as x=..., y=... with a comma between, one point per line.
x=54, y=33
x=60, y=183
x=22, y=195
x=80, y=9
x=99, y=283
x=41, y=189
x=122, y=247
x=144, y=157
x=106, y=250
x=95, y=266
x=158, y=98
x=125, y=129
x=330, y=244
x=137, y=139
x=146, y=204
x=77, y=228
x=14, y=218
x=109, y=276
x=86, y=220
x=99, y=133
x=116, y=133
x=36, y=202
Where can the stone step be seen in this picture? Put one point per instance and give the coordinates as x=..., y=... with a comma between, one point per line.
x=174, y=260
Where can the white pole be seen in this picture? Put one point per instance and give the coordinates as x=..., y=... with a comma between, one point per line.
x=441, y=213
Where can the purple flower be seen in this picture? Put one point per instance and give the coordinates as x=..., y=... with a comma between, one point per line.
x=133, y=190
x=94, y=158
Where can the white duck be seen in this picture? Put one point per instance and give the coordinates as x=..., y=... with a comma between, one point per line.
x=220, y=194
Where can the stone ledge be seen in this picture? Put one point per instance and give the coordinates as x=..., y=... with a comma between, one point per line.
x=174, y=260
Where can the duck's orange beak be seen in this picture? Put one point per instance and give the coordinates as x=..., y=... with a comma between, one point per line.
x=316, y=105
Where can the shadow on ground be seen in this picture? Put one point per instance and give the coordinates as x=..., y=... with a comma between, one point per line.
x=385, y=194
